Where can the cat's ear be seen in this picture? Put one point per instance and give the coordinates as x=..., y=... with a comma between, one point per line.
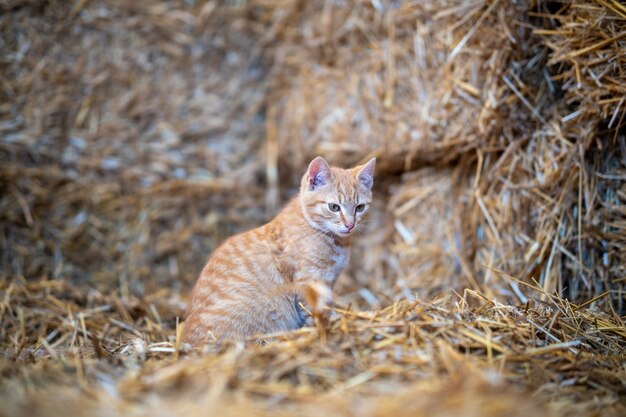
x=318, y=173
x=365, y=173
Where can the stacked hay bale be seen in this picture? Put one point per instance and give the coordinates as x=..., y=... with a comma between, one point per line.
x=411, y=83
x=588, y=47
x=422, y=87
x=505, y=118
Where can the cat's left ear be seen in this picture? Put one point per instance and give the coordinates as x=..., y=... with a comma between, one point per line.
x=366, y=173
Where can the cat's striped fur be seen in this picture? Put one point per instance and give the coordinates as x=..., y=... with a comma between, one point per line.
x=254, y=281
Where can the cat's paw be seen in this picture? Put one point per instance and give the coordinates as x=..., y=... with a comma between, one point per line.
x=319, y=297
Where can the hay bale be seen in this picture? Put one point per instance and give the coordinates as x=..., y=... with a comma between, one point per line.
x=503, y=91
x=415, y=85
x=412, y=241
x=410, y=83
x=131, y=142
x=428, y=210
x=587, y=47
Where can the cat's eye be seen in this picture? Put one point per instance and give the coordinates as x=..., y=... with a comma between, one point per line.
x=360, y=208
x=334, y=207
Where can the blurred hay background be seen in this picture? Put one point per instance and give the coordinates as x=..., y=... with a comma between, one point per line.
x=135, y=137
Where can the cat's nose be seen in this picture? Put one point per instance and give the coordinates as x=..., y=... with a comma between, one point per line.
x=350, y=226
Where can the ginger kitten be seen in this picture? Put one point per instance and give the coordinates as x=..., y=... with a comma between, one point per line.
x=253, y=283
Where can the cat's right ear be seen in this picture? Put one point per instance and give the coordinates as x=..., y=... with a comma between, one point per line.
x=318, y=173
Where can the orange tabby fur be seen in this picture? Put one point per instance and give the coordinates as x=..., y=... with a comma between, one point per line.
x=253, y=283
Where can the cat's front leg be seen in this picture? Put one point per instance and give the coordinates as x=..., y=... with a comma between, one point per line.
x=317, y=298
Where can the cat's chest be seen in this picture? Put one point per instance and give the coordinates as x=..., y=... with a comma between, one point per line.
x=309, y=258
x=327, y=265
x=339, y=260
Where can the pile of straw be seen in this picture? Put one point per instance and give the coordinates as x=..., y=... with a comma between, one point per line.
x=488, y=280
x=469, y=355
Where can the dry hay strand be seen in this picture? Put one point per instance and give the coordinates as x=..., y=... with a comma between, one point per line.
x=99, y=353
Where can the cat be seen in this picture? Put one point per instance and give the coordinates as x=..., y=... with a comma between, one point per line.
x=254, y=282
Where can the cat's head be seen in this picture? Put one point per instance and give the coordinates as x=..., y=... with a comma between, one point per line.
x=335, y=200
